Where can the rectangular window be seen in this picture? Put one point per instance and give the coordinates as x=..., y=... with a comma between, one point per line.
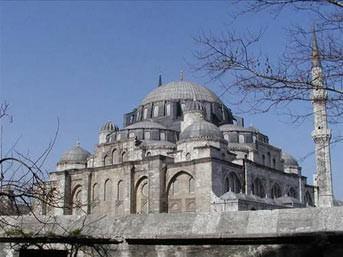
x=145, y=113
x=163, y=136
x=147, y=135
x=168, y=110
x=156, y=109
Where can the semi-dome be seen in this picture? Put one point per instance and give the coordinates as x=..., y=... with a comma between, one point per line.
x=181, y=90
x=289, y=160
x=75, y=155
x=201, y=129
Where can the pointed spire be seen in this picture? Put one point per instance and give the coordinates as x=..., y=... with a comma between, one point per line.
x=181, y=75
x=160, y=80
x=315, y=50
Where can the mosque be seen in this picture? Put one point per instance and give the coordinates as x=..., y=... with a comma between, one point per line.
x=183, y=150
x=180, y=150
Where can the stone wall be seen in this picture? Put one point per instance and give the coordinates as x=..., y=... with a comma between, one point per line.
x=287, y=232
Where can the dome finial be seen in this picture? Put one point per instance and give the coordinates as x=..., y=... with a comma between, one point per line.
x=181, y=75
x=160, y=80
x=78, y=141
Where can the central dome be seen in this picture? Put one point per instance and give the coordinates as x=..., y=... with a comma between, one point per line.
x=181, y=90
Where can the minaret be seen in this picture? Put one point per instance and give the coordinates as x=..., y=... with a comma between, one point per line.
x=321, y=134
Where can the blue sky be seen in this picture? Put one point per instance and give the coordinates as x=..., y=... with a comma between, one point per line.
x=88, y=62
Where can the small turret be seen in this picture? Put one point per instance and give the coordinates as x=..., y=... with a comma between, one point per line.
x=106, y=130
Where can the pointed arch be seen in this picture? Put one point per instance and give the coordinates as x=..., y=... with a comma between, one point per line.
x=257, y=188
x=181, y=193
x=120, y=190
x=142, y=196
x=276, y=191
x=232, y=183
x=292, y=192
x=107, y=160
x=77, y=201
x=107, y=190
x=115, y=156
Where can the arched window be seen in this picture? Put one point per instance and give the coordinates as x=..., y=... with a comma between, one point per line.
x=115, y=157
x=181, y=193
x=232, y=183
x=95, y=194
x=138, y=115
x=274, y=163
x=191, y=185
x=257, y=188
x=276, y=191
x=107, y=190
x=263, y=159
x=123, y=156
x=156, y=111
x=292, y=193
x=148, y=154
x=77, y=201
x=142, y=196
x=120, y=190
x=308, y=199
x=107, y=160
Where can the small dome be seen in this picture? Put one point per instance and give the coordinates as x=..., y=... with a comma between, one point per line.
x=201, y=129
x=75, y=155
x=194, y=106
x=108, y=126
x=289, y=160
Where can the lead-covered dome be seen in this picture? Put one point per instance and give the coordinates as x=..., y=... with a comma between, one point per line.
x=201, y=129
x=289, y=160
x=76, y=155
x=181, y=90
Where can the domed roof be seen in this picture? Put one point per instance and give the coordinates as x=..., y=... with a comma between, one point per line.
x=235, y=127
x=201, y=129
x=177, y=90
x=289, y=160
x=75, y=155
x=146, y=124
x=108, y=126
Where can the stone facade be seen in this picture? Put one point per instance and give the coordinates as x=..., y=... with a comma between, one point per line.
x=180, y=150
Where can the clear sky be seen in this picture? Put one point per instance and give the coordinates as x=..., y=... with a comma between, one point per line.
x=89, y=62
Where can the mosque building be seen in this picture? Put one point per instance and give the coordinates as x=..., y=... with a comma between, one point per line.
x=182, y=150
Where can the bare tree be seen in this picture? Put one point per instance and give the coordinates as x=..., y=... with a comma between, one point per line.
x=263, y=84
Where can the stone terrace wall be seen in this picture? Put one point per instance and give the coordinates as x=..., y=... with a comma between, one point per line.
x=213, y=234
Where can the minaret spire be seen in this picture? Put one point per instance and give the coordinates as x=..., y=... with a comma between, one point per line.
x=321, y=134
x=315, y=50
